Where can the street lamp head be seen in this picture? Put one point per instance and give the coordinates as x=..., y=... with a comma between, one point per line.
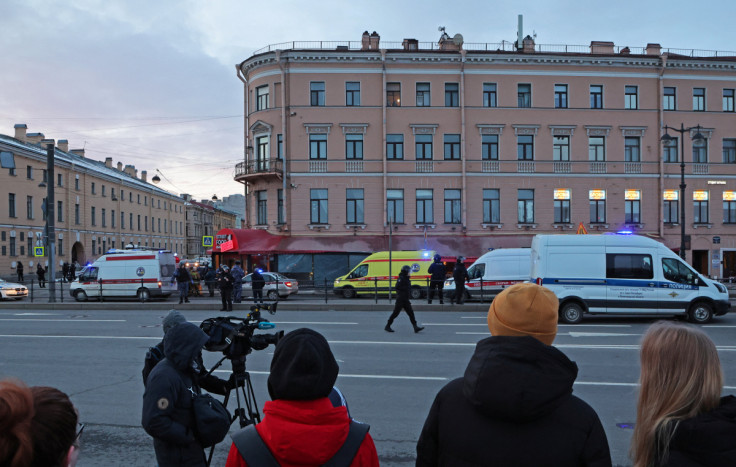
x=668, y=140
x=698, y=139
x=156, y=179
x=214, y=198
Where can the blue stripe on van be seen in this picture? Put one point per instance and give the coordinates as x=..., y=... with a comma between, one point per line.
x=618, y=283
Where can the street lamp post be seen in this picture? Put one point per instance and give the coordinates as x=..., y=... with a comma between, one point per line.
x=50, y=224
x=668, y=140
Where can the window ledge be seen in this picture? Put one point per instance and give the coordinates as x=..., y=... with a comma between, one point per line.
x=355, y=226
x=708, y=225
x=319, y=226
x=491, y=226
x=261, y=226
x=527, y=226
x=422, y=226
x=634, y=226
x=563, y=226
x=598, y=226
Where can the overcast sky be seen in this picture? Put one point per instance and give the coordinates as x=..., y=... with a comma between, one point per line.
x=153, y=83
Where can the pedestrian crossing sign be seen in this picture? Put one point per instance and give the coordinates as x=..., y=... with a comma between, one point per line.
x=38, y=251
x=208, y=241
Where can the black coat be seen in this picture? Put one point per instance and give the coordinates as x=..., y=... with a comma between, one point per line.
x=167, y=400
x=403, y=286
x=182, y=276
x=460, y=274
x=514, y=406
x=708, y=439
x=257, y=281
x=225, y=281
x=438, y=271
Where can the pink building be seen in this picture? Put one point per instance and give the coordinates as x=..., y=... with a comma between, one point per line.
x=461, y=147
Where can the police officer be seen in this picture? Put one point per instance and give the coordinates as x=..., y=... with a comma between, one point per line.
x=438, y=271
x=403, y=289
x=460, y=274
x=238, y=274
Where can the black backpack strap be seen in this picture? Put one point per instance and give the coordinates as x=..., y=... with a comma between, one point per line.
x=252, y=448
x=345, y=455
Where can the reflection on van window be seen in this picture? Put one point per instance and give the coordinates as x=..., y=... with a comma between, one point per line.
x=628, y=266
x=476, y=271
x=360, y=271
x=89, y=274
x=676, y=271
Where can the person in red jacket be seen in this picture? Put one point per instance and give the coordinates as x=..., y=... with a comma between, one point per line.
x=300, y=425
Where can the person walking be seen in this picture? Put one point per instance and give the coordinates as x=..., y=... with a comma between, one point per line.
x=72, y=271
x=41, y=274
x=238, y=274
x=19, y=271
x=196, y=283
x=681, y=418
x=64, y=271
x=225, y=283
x=460, y=274
x=514, y=405
x=403, y=290
x=258, y=283
x=183, y=279
x=210, y=276
x=438, y=273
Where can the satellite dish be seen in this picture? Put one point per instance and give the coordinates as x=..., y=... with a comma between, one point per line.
x=458, y=39
x=441, y=29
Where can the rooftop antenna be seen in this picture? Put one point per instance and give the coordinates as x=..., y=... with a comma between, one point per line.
x=520, y=33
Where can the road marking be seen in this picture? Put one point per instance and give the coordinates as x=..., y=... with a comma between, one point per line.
x=68, y=320
x=32, y=314
x=25, y=336
x=718, y=326
x=594, y=325
x=454, y=324
x=595, y=334
x=343, y=375
x=314, y=322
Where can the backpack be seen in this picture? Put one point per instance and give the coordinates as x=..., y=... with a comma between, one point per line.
x=153, y=356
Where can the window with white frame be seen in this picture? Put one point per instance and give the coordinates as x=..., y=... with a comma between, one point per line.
x=597, y=203
x=262, y=97
x=728, y=98
x=671, y=207
x=729, y=207
x=561, y=205
x=525, y=206
x=631, y=97
x=354, y=206
x=632, y=206
x=700, y=207
x=699, y=99
x=669, y=99
x=491, y=206
x=425, y=207
x=453, y=214
x=561, y=148
x=597, y=148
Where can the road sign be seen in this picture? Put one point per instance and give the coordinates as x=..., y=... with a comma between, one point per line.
x=208, y=241
x=581, y=229
x=38, y=251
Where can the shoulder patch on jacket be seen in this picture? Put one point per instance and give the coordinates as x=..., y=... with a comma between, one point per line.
x=163, y=403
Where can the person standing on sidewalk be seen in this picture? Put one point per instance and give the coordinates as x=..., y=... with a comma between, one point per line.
x=238, y=275
x=19, y=271
x=182, y=282
x=438, y=271
x=403, y=289
x=225, y=283
x=460, y=274
x=41, y=273
x=210, y=278
x=258, y=283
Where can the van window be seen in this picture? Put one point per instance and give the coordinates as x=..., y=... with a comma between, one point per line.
x=628, y=266
x=676, y=271
x=476, y=271
x=89, y=274
x=360, y=271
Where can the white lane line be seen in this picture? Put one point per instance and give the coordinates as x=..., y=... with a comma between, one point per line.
x=25, y=336
x=342, y=375
x=594, y=325
x=718, y=326
x=68, y=320
x=32, y=314
x=314, y=322
x=596, y=334
x=454, y=324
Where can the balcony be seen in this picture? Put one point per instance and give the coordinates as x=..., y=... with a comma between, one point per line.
x=250, y=171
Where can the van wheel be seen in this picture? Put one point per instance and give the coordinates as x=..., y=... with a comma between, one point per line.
x=80, y=296
x=273, y=295
x=416, y=293
x=571, y=313
x=700, y=313
x=143, y=295
x=348, y=292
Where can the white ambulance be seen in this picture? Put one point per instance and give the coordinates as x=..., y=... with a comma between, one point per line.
x=493, y=272
x=134, y=273
x=627, y=274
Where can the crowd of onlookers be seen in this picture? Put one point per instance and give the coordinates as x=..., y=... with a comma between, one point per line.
x=512, y=407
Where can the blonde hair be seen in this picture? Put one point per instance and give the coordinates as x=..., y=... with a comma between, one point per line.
x=680, y=378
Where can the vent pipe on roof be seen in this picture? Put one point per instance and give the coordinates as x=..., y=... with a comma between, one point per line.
x=20, y=131
x=520, y=33
x=108, y=162
x=120, y=166
x=63, y=145
x=144, y=175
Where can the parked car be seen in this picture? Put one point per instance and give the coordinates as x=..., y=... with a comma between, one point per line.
x=277, y=286
x=11, y=290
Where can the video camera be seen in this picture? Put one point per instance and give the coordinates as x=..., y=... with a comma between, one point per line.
x=235, y=337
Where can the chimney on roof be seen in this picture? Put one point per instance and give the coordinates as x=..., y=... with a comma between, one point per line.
x=34, y=138
x=375, y=39
x=601, y=47
x=365, y=41
x=528, y=45
x=20, y=131
x=46, y=141
x=186, y=196
x=144, y=175
x=78, y=152
x=130, y=170
x=108, y=162
x=410, y=44
x=653, y=49
x=63, y=145
x=120, y=166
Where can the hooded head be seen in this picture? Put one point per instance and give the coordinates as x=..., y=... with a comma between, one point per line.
x=525, y=310
x=172, y=319
x=405, y=269
x=225, y=268
x=437, y=258
x=183, y=343
x=460, y=259
x=303, y=367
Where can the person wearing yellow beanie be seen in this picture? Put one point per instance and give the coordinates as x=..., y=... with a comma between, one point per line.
x=514, y=405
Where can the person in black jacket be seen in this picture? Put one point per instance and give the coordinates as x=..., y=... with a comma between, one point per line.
x=225, y=283
x=258, y=283
x=41, y=273
x=403, y=289
x=183, y=279
x=167, y=400
x=438, y=272
x=209, y=280
x=460, y=274
x=514, y=405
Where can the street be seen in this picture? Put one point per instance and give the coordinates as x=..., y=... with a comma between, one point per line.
x=96, y=356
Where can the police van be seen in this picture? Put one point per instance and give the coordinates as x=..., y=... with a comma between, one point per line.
x=493, y=272
x=130, y=273
x=627, y=274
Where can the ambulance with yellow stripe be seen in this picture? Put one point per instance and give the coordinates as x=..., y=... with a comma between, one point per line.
x=372, y=275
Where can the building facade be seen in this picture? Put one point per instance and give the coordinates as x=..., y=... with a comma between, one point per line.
x=465, y=147
x=97, y=206
x=204, y=219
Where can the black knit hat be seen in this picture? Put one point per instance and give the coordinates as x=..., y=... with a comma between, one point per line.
x=303, y=367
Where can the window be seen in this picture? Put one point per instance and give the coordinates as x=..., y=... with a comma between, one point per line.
x=699, y=99
x=729, y=207
x=525, y=147
x=29, y=172
x=45, y=175
x=352, y=93
x=670, y=209
x=453, y=214
x=11, y=204
x=729, y=151
x=423, y=146
x=145, y=200
x=93, y=189
x=631, y=97
x=12, y=246
x=103, y=216
x=728, y=95
x=562, y=206
x=525, y=206
x=112, y=220
x=423, y=96
x=452, y=95
x=130, y=197
x=669, y=100
x=629, y=266
x=560, y=96
x=103, y=190
x=425, y=208
x=139, y=222
x=489, y=147
x=29, y=207
x=632, y=206
x=279, y=146
x=261, y=208
x=700, y=152
x=317, y=93
x=597, y=202
x=353, y=146
x=489, y=95
x=317, y=146
x=596, y=148
x=491, y=206
x=394, y=147
x=393, y=94
x=318, y=205
x=60, y=211
x=354, y=205
x=59, y=179
x=130, y=222
x=452, y=147
x=122, y=219
x=76, y=184
x=94, y=246
x=43, y=209
x=29, y=241
x=93, y=217
x=76, y=214
x=670, y=151
x=261, y=155
x=395, y=206
x=596, y=96
x=279, y=206
x=7, y=161
x=524, y=95
x=632, y=149
x=112, y=195
x=561, y=148
x=700, y=207
x=262, y=97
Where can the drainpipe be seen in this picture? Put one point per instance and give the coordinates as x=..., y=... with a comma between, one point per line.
x=284, y=115
x=383, y=139
x=463, y=152
x=660, y=149
x=241, y=77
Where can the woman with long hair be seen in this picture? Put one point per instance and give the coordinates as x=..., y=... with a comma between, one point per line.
x=38, y=427
x=681, y=419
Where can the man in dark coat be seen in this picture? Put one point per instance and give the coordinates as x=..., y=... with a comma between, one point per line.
x=238, y=274
x=41, y=273
x=225, y=284
x=258, y=283
x=19, y=271
x=183, y=279
x=438, y=272
x=167, y=400
x=403, y=289
x=514, y=406
x=460, y=274
x=64, y=271
x=210, y=279
x=72, y=272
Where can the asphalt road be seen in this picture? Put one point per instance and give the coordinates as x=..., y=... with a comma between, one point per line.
x=390, y=380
